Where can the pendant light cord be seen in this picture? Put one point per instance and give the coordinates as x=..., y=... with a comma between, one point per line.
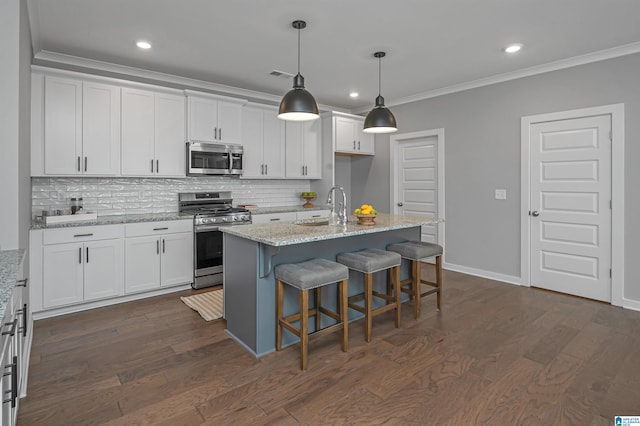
x=298, y=50
x=379, y=76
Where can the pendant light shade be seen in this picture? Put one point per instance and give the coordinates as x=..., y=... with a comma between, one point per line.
x=298, y=104
x=380, y=119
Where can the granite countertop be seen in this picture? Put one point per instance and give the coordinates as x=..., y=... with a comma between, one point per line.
x=289, y=233
x=9, y=265
x=286, y=209
x=117, y=219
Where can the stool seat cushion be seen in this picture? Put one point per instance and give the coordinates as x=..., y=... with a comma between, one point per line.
x=370, y=260
x=311, y=273
x=415, y=250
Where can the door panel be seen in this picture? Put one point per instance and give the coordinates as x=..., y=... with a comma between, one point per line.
x=170, y=135
x=138, y=133
x=62, y=275
x=100, y=129
x=103, y=269
x=62, y=126
x=142, y=268
x=571, y=191
x=177, y=259
x=418, y=182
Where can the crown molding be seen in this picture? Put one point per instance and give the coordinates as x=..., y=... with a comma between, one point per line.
x=602, y=55
x=59, y=60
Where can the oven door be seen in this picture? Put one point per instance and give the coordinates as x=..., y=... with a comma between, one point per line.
x=208, y=256
x=207, y=159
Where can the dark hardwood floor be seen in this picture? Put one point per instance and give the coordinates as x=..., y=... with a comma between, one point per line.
x=497, y=354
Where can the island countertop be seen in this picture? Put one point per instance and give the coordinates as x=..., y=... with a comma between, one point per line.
x=290, y=233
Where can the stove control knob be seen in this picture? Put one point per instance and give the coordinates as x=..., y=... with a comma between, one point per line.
x=236, y=218
x=209, y=220
x=225, y=219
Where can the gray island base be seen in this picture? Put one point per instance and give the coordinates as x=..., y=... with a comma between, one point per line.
x=252, y=251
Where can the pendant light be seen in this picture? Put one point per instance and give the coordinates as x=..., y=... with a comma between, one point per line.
x=380, y=119
x=298, y=104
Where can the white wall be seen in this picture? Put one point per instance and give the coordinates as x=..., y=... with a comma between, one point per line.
x=482, y=153
x=15, y=56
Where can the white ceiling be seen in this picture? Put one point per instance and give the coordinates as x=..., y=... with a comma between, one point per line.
x=430, y=44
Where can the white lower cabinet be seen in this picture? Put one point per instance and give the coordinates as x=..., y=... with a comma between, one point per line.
x=159, y=254
x=90, y=269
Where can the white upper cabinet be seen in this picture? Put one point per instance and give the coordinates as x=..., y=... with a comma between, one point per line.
x=263, y=142
x=214, y=119
x=153, y=133
x=303, y=155
x=348, y=136
x=76, y=127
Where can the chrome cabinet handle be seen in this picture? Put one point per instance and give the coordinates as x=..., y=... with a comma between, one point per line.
x=157, y=246
x=163, y=240
x=22, y=282
x=215, y=133
x=78, y=163
x=535, y=213
x=358, y=145
x=274, y=219
x=82, y=235
x=80, y=255
x=266, y=169
x=152, y=165
x=354, y=145
x=160, y=229
x=220, y=134
x=157, y=166
x=12, y=331
x=85, y=164
x=87, y=256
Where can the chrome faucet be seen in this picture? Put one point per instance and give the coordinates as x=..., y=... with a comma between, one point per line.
x=342, y=214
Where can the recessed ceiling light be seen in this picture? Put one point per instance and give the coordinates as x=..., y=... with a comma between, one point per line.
x=354, y=94
x=513, y=48
x=143, y=44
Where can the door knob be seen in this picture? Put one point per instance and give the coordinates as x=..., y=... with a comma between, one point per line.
x=535, y=213
x=400, y=204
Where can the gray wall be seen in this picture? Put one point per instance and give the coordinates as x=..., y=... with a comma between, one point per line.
x=482, y=153
x=15, y=82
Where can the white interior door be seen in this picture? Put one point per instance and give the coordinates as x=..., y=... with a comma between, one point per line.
x=570, y=206
x=418, y=181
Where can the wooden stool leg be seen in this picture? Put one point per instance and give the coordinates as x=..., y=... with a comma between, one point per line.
x=304, y=328
x=279, y=308
x=416, y=266
x=318, y=302
x=439, y=280
x=368, y=301
x=396, y=284
x=342, y=304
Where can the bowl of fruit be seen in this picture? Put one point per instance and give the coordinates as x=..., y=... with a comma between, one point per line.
x=366, y=215
x=308, y=196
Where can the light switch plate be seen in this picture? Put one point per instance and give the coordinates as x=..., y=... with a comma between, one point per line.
x=501, y=194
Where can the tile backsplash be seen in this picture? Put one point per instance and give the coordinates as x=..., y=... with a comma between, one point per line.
x=117, y=196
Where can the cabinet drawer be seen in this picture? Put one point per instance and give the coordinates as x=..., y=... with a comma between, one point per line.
x=82, y=233
x=313, y=214
x=152, y=228
x=273, y=217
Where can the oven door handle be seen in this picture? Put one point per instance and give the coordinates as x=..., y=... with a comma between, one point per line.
x=206, y=228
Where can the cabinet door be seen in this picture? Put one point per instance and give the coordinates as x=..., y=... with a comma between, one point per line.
x=138, y=136
x=62, y=278
x=170, y=137
x=312, y=159
x=252, y=134
x=203, y=119
x=103, y=269
x=177, y=259
x=344, y=134
x=100, y=129
x=366, y=143
x=142, y=268
x=293, y=152
x=273, y=145
x=62, y=126
x=229, y=122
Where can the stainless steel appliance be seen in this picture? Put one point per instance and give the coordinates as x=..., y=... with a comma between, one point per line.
x=214, y=159
x=211, y=210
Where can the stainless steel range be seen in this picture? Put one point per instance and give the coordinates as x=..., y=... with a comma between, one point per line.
x=211, y=211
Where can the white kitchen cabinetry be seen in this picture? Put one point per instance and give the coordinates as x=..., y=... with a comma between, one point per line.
x=159, y=254
x=349, y=139
x=75, y=126
x=303, y=155
x=273, y=217
x=82, y=264
x=153, y=133
x=263, y=142
x=214, y=118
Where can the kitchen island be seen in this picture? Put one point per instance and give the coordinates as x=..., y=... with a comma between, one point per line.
x=252, y=251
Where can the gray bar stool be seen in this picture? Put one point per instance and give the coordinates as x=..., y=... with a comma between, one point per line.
x=368, y=262
x=416, y=252
x=311, y=275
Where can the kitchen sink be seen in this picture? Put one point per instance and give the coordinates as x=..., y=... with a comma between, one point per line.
x=311, y=222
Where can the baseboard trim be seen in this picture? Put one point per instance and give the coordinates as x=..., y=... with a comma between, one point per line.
x=631, y=304
x=509, y=279
x=106, y=302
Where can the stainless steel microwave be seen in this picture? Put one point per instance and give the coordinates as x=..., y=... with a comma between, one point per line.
x=214, y=159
